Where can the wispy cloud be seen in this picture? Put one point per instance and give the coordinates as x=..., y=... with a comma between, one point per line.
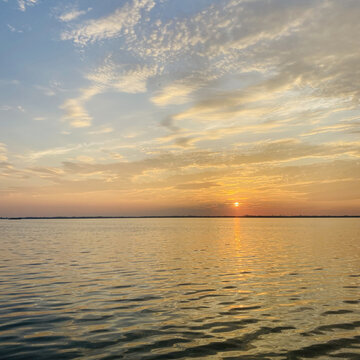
x=75, y=111
x=348, y=126
x=23, y=4
x=72, y=14
x=130, y=79
x=175, y=93
x=9, y=82
x=35, y=155
x=50, y=89
x=196, y=185
x=9, y=107
x=13, y=29
x=102, y=130
x=5, y=108
x=3, y=153
x=122, y=21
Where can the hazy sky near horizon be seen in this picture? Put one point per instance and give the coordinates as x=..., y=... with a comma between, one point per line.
x=146, y=107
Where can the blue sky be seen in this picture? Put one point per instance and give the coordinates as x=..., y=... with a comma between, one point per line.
x=148, y=107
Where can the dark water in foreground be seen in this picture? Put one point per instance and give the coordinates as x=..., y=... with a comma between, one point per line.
x=180, y=289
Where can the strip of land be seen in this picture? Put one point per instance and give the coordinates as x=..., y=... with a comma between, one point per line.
x=175, y=217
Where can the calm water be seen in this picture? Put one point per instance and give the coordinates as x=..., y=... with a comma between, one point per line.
x=180, y=289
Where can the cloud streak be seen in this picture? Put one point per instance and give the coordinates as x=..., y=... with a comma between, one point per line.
x=72, y=15
x=23, y=4
x=3, y=153
x=122, y=21
x=108, y=77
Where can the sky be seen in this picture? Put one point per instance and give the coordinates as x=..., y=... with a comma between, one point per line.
x=167, y=107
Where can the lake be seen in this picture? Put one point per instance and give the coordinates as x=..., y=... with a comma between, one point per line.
x=217, y=288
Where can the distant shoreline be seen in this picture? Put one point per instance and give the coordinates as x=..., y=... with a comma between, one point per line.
x=177, y=217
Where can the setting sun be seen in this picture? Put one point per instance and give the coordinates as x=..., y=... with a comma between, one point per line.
x=236, y=204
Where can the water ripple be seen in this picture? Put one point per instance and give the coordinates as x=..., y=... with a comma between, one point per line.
x=251, y=289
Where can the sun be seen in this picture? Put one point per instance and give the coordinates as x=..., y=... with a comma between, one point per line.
x=236, y=204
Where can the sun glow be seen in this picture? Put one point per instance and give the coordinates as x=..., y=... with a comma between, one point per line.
x=236, y=204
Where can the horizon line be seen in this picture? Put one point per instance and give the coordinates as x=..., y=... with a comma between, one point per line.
x=170, y=217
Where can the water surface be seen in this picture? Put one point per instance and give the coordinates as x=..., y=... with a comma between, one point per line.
x=180, y=289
